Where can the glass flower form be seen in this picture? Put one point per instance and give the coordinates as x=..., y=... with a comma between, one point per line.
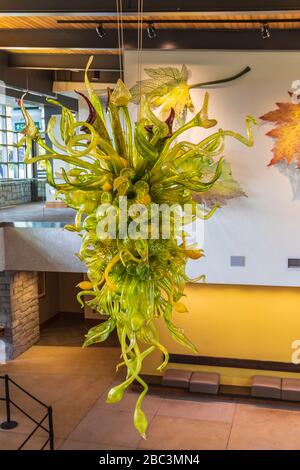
x=167, y=88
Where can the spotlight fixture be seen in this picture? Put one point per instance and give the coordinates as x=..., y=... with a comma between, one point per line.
x=151, y=31
x=265, y=32
x=100, y=31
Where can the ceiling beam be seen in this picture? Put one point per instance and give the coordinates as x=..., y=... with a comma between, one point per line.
x=102, y=62
x=56, y=39
x=165, y=40
x=35, y=97
x=164, y=23
x=37, y=83
x=106, y=7
x=76, y=77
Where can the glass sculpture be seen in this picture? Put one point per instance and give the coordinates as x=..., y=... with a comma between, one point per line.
x=136, y=281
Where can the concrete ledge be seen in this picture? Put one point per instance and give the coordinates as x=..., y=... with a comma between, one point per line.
x=44, y=246
x=266, y=387
x=205, y=382
x=177, y=378
x=290, y=389
x=55, y=205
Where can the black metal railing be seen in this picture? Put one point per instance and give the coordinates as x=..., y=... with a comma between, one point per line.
x=11, y=424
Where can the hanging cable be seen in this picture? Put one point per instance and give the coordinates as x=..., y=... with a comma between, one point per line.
x=138, y=38
x=122, y=32
x=120, y=27
x=119, y=36
x=140, y=45
x=27, y=82
x=119, y=4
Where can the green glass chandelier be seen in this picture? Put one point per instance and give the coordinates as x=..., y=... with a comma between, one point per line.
x=136, y=281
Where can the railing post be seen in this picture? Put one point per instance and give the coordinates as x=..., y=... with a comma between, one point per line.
x=8, y=424
x=51, y=431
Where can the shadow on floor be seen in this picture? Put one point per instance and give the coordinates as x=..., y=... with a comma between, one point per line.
x=69, y=329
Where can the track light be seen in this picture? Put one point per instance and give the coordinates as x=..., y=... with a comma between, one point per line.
x=265, y=32
x=151, y=31
x=100, y=31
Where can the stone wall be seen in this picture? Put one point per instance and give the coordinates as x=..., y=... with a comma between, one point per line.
x=19, y=311
x=41, y=190
x=15, y=192
x=5, y=313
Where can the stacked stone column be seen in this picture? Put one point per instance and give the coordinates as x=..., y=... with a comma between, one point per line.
x=19, y=312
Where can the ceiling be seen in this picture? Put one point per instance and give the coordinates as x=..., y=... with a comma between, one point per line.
x=33, y=36
x=53, y=22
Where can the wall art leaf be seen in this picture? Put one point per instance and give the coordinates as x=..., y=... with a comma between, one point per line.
x=286, y=133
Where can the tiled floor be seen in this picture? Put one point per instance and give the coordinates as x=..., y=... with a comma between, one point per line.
x=35, y=212
x=77, y=326
x=75, y=382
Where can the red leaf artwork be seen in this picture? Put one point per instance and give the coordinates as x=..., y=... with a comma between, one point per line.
x=286, y=133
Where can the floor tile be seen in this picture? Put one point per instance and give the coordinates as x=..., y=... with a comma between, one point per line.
x=75, y=382
x=151, y=403
x=76, y=327
x=82, y=391
x=256, y=427
x=65, y=361
x=80, y=445
x=10, y=440
x=35, y=211
x=25, y=425
x=70, y=406
x=177, y=433
x=205, y=410
x=107, y=427
x=66, y=418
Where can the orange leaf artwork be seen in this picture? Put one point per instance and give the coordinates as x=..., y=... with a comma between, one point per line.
x=287, y=133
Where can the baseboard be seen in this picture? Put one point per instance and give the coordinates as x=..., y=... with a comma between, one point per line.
x=236, y=363
x=59, y=315
x=50, y=320
x=226, y=392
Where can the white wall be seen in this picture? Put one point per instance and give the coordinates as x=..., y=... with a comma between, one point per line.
x=60, y=295
x=49, y=303
x=40, y=249
x=68, y=292
x=265, y=226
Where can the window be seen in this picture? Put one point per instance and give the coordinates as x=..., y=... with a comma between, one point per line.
x=12, y=165
x=41, y=165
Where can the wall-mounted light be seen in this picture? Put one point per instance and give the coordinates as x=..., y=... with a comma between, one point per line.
x=265, y=31
x=100, y=31
x=151, y=31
